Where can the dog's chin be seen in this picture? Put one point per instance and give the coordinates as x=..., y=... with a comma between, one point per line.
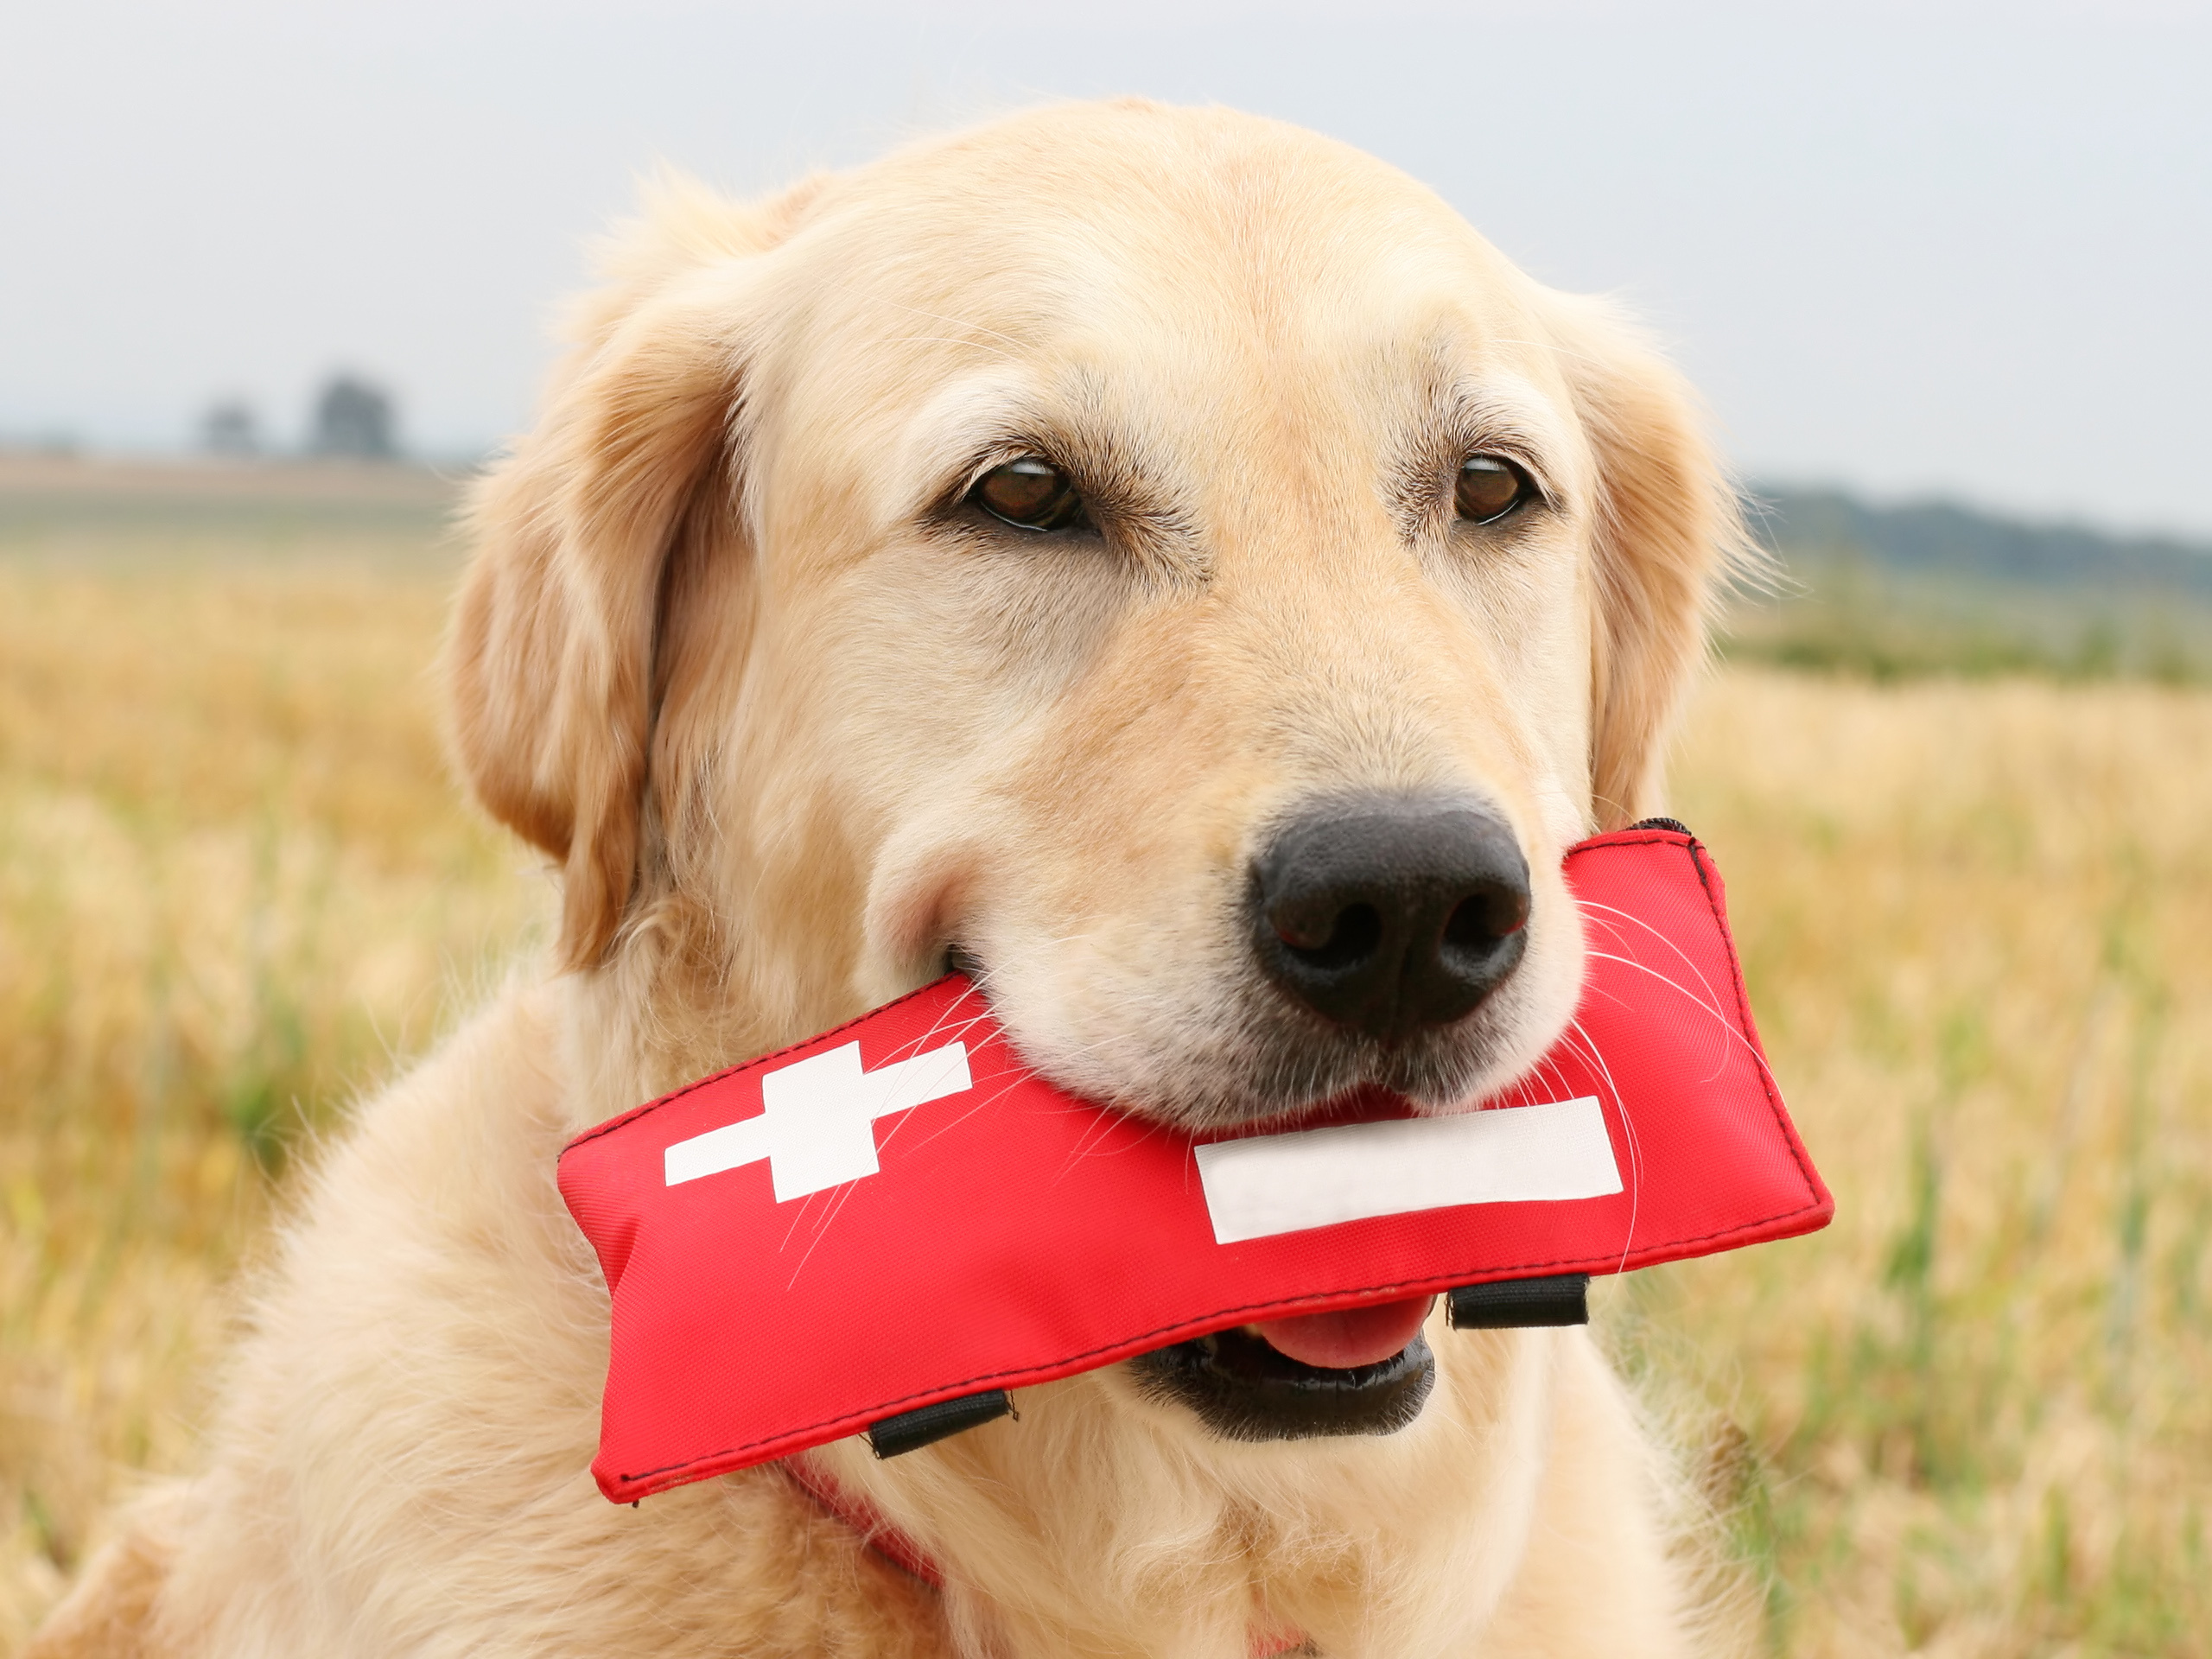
x=1242, y=1386
x=1285, y=1082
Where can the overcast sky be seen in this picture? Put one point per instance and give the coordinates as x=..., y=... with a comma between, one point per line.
x=1957, y=248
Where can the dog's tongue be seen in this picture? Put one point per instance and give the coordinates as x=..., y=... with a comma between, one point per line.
x=1356, y=1336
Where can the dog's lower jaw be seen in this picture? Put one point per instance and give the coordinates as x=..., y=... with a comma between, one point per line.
x=1242, y=1388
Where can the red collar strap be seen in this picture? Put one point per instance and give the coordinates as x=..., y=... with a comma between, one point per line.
x=864, y=1518
x=1268, y=1642
x=883, y=1229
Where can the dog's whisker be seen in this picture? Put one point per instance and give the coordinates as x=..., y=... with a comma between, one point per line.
x=940, y=339
x=1597, y=1057
x=1589, y=904
x=1719, y=1016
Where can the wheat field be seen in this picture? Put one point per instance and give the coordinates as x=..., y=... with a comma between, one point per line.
x=1974, y=1417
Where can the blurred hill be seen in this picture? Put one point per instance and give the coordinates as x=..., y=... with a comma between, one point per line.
x=96, y=508
x=1932, y=587
x=1938, y=537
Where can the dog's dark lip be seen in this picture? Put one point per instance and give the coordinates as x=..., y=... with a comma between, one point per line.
x=959, y=960
x=1244, y=1389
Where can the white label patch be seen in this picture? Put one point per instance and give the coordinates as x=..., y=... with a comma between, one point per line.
x=817, y=1130
x=1272, y=1184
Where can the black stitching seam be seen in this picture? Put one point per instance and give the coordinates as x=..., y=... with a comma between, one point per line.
x=1015, y=1377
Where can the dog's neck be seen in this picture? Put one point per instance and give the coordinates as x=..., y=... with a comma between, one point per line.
x=1266, y=1638
x=640, y=1024
x=1098, y=1522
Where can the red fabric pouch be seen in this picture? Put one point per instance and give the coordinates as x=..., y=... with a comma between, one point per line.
x=897, y=1213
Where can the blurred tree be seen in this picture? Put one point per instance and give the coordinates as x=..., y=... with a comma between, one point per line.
x=229, y=429
x=353, y=418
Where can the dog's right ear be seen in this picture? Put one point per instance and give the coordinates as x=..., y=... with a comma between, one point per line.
x=550, y=662
x=1667, y=533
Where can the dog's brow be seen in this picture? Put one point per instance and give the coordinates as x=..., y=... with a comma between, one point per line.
x=978, y=421
x=1500, y=417
x=965, y=420
x=1494, y=414
x=1450, y=414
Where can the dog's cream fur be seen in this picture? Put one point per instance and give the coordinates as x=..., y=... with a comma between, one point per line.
x=791, y=725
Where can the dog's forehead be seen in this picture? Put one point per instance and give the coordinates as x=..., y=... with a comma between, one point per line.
x=1196, y=253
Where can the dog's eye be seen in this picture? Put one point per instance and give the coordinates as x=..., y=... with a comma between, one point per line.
x=1029, y=492
x=1489, y=488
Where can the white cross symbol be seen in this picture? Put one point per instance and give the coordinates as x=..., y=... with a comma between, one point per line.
x=818, y=1128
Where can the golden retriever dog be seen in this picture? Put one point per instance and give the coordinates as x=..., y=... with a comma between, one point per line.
x=1165, y=563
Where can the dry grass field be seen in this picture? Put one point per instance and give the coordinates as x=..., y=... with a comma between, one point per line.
x=1973, y=1418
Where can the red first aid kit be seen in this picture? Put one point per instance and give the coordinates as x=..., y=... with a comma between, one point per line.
x=897, y=1216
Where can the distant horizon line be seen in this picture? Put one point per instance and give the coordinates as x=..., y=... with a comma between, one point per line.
x=454, y=460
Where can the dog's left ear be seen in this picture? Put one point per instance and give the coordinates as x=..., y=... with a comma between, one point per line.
x=1667, y=532
x=552, y=663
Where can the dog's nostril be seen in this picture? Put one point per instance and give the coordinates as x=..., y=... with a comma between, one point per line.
x=1481, y=919
x=1340, y=940
x=1388, y=915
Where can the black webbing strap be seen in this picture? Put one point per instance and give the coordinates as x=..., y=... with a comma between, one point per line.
x=910, y=1430
x=1563, y=1299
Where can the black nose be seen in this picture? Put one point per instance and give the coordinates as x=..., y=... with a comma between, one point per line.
x=1390, y=915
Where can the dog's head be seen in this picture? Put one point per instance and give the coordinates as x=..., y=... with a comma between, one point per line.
x=1161, y=561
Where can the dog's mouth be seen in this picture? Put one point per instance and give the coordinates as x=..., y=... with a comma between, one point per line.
x=1365, y=1370
x=1362, y=1370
